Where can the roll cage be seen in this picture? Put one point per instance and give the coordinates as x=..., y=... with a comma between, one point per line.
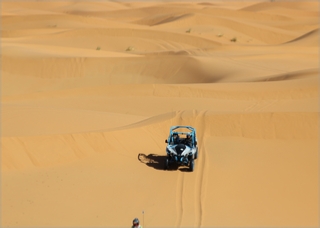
x=176, y=129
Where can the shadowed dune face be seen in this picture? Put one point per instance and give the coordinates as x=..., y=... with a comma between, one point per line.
x=90, y=90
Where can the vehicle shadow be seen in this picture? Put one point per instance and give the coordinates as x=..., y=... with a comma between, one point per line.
x=158, y=162
x=153, y=160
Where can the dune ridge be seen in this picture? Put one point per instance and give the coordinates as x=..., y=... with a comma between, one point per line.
x=265, y=126
x=310, y=38
x=90, y=89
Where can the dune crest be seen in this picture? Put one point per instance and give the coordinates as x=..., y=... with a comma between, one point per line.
x=309, y=39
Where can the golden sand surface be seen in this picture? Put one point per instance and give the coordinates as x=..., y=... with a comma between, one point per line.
x=90, y=89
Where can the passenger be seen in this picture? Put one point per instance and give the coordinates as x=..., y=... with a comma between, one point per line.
x=188, y=140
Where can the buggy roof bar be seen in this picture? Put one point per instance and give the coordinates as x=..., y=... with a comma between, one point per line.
x=193, y=130
x=176, y=127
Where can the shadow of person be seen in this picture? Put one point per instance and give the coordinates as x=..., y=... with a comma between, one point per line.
x=158, y=162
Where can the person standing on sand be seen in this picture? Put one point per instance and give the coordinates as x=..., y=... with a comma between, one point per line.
x=135, y=223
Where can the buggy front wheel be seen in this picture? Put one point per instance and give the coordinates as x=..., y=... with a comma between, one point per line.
x=191, y=165
x=196, y=154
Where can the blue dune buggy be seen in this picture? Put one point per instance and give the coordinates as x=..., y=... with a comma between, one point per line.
x=182, y=147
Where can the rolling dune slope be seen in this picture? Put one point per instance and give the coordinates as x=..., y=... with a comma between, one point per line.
x=90, y=90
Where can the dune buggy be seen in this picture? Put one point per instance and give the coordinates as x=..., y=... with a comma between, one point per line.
x=182, y=147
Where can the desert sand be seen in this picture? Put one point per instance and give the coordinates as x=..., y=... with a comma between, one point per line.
x=90, y=89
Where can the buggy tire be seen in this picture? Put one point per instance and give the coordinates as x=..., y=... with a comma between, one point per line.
x=166, y=164
x=196, y=154
x=191, y=165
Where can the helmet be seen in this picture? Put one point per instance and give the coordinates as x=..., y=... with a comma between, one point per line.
x=188, y=136
x=136, y=221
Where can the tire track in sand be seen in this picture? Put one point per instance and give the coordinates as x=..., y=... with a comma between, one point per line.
x=201, y=176
x=200, y=168
x=180, y=183
x=179, y=199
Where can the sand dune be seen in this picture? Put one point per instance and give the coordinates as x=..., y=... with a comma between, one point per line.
x=91, y=89
x=304, y=6
x=308, y=39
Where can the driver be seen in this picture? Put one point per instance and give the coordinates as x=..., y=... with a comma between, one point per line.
x=176, y=138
